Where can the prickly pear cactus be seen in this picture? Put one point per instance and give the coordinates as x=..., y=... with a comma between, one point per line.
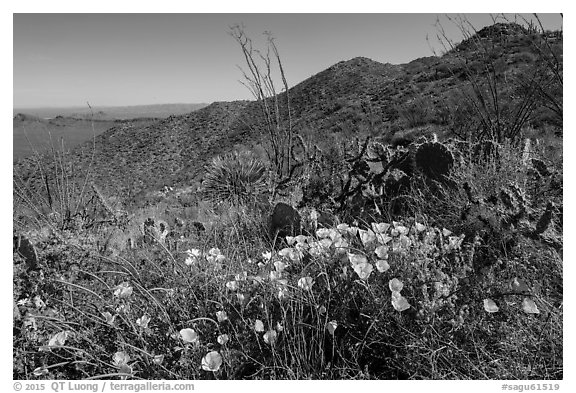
x=545, y=220
x=515, y=205
x=434, y=160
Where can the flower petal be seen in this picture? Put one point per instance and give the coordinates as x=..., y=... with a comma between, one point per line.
x=529, y=306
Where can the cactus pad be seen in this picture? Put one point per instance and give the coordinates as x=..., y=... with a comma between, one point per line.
x=434, y=160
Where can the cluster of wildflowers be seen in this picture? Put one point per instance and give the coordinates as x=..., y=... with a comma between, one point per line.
x=271, y=335
x=213, y=256
x=410, y=258
x=518, y=287
x=409, y=250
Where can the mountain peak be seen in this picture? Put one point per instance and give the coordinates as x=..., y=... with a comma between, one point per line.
x=499, y=29
x=498, y=33
x=358, y=61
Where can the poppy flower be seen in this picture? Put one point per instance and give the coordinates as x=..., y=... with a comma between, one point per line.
x=143, y=321
x=221, y=316
x=275, y=275
x=306, y=283
x=353, y=230
x=325, y=243
x=399, y=302
x=189, y=336
x=123, y=290
x=120, y=359
x=215, y=256
x=367, y=237
x=280, y=266
x=109, y=318
x=519, y=285
x=331, y=327
x=38, y=302
x=341, y=245
x=356, y=259
x=381, y=252
x=395, y=285
x=454, y=242
x=241, y=297
x=419, y=227
x=363, y=270
x=383, y=238
x=59, y=339
x=314, y=215
x=39, y=371
x=270, y=337
x=529, y=306
x=382, y=265
x=193, y=256
x=214, y=251
x=212, y=361
x=490, y=306
x=380, y=228
x=301, y=239
x=399, y=229
x=232, y=285
x=290, y=253
x=258, y=326
x=283, y=293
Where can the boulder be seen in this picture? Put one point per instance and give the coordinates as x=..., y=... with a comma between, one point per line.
x=284, y=221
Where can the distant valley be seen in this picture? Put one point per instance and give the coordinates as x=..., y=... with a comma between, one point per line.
x=40, y=129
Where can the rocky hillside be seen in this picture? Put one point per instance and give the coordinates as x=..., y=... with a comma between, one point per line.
x=350, y=99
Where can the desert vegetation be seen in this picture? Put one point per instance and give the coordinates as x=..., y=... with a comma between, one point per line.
x=373, y=222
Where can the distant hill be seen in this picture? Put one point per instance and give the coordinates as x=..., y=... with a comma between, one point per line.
x=112, y=112
x=350, y=99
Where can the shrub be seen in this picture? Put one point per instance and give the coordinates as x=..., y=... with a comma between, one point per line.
x=496, y=194
x=238, y=179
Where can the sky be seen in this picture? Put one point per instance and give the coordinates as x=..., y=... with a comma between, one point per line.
x=62, y=60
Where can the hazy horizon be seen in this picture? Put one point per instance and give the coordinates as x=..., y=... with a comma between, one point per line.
x=107, y=106
x=110, y=60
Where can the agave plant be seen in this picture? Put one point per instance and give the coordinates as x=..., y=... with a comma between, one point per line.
x=236, y=178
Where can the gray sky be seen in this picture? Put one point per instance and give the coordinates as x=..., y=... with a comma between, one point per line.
x=132, y=59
